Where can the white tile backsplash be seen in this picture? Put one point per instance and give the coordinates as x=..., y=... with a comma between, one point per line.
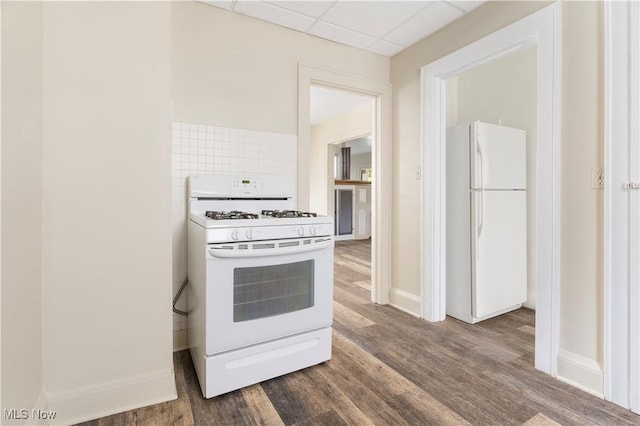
x=198, y=148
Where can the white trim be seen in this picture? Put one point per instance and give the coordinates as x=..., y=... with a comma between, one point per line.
x=381, y=160
x=40, y=405
x=542, y=29
x=622, y=208
x=581, y=372
x=405, y=301
x=104, y=399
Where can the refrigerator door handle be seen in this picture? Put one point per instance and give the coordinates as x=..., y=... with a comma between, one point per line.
x=479, y=151
x=481, y=221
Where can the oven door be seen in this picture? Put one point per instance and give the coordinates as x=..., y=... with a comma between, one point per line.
x=264, y=290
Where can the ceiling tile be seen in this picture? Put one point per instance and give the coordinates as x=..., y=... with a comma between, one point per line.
x=424, y=23
x=310, y=8
x=341, y=35
x=467, y=5
x=274, y=14
x=374, y=18
x=223, y=4
x=385, y=48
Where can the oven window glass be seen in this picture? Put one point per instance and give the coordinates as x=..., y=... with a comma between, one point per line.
x=266, y=291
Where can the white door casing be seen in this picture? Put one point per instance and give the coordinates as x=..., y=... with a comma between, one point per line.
x=381, y=156
x=622, y=205
x=540, y=29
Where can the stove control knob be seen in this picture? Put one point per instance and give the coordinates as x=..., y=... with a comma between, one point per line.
x=301, y=231
x=249, y=234
x=313, y=230
x=234, y=234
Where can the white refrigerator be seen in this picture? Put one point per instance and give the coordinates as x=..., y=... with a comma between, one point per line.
x=486, y=215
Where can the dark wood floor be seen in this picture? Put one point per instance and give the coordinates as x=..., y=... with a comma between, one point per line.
x=390, y=368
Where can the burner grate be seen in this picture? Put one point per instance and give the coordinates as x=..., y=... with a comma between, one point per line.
x=216, y=215
x=287, y=213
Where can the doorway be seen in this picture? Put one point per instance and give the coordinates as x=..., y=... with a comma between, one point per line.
x=493, y=107
x=381, y=161
x=342, y=132
x=539, y=30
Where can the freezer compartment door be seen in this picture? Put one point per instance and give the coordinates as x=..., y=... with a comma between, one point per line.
x=499, y=251
x=498, y=157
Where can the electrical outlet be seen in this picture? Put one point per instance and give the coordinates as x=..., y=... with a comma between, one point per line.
x=597, y=178
x=418, y=173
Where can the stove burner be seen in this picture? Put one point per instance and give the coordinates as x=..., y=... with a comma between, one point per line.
x=230, y=215
x=287, y=213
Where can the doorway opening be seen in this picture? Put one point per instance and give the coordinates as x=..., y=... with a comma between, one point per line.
x=343, y=133
x=381, y=218
x=538, y=30
x=491, y=189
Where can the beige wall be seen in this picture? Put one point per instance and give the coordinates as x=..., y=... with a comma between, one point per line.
x=356, y=123
x=504, y=92
x=106, y=227
x=581, y=238
x=581, y=320
x=359, y=161
x=236, y=71
x=21, y=205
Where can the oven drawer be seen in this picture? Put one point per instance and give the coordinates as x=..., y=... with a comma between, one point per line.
x=236, y=369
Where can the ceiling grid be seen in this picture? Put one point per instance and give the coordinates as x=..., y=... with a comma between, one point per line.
x=383, y=27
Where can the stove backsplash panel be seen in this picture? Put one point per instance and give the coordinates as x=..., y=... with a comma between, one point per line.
x=199, y=148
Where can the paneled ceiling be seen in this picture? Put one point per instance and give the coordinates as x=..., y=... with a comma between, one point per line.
x=383, y=27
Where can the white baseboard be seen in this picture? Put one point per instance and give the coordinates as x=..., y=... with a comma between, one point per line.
x=180, y=342
x=109, y=398
x=405, y=301
x=581, y=372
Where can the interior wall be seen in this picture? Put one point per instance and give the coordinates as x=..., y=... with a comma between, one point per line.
x=22, y=375
x=581, y=301
x=359, y=161
x=235, y=71
x=504, y=92
x=106, y=227
x=581, y=110
x=356, y=123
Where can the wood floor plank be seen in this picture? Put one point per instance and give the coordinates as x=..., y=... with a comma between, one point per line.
x=419, y=407
x=152, y=415
x=349, y=318
x=352, y=359
x=330, y=395
x=540, y=420
x=261, y=407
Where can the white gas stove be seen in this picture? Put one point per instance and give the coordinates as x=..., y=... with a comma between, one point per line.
x=261, y=273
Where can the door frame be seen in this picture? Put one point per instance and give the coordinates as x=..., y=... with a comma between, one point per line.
x=541, y=29
x=622, y=206
x=381, y=156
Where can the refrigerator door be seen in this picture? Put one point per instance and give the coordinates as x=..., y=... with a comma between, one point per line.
x=498, y=251
x=498, y=157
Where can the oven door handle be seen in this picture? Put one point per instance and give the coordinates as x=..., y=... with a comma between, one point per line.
x=231, y=253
